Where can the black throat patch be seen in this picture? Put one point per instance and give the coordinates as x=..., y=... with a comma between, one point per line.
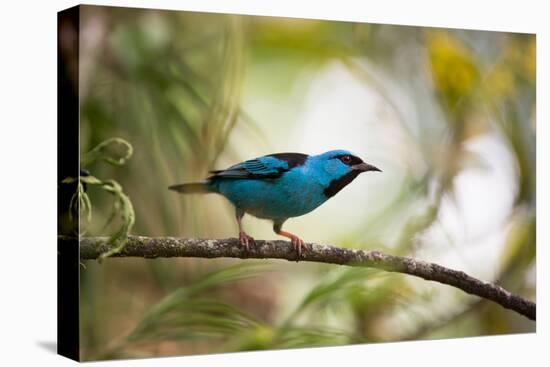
x=336, y=185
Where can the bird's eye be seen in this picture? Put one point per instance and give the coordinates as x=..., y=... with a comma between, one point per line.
x=346, y=159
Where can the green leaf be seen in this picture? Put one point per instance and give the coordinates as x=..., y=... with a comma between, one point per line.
x=195, y=319
x=183, y=314
x=90, y=180
x=100, y=152
x=312, y=336
x=331, y=289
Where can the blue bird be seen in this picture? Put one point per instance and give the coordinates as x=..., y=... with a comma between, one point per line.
x=281, y=186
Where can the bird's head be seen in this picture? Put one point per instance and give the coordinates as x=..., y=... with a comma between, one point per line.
x=337, y=168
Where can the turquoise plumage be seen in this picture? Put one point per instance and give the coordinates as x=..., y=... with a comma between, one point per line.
x=281, y=186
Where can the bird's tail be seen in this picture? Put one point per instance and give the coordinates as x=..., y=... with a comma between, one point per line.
x=192, y=188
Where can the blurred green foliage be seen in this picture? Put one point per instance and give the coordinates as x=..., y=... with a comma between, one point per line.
x=177, y=86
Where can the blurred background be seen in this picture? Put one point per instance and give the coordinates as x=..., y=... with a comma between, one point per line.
x=448, y=115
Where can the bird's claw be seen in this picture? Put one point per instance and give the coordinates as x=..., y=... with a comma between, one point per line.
x=246, y=240
x=298, y=243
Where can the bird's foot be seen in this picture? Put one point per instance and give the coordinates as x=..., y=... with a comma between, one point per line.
x=246, y=240
x=298, y=244
x=296, y=241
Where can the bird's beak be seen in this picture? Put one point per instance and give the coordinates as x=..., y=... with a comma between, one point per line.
x=364, y=167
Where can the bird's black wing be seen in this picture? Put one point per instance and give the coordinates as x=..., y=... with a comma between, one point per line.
x=269, y=166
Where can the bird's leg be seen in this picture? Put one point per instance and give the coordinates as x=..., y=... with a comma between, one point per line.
x=243, y=237
x=297, y=242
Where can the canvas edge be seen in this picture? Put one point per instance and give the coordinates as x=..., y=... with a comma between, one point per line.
x=68, y=120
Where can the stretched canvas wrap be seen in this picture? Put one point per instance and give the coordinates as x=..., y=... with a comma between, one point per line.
x=233, y=183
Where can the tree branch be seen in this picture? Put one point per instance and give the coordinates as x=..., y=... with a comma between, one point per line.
x=147, y=247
